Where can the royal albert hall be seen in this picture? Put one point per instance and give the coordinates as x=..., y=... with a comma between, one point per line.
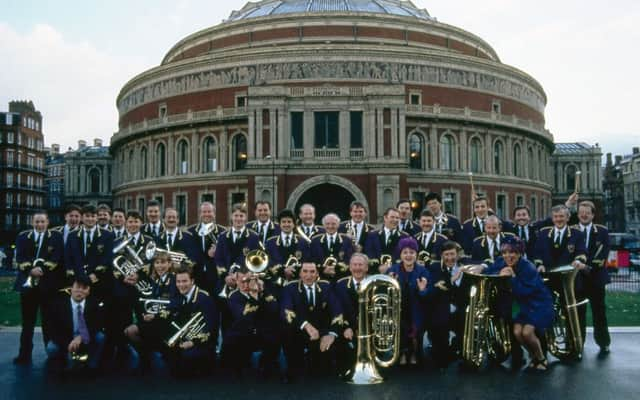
x=326, y=102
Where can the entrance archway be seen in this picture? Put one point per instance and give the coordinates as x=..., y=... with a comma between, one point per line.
x=327, y=198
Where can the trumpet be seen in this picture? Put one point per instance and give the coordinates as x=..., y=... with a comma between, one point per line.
x=193, y=329
x=33, y=281
x=154, y=306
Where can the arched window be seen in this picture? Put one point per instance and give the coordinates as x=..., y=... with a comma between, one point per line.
x=570, y=173
x=531, y=164
x=210, y=155
x=94, y=180
x=240, y=152
x=161, y=160
x=498, y=156
x=447, y=153
x=183, y=157
x=143, y=163
x=416, y=151
x=517, y=160
x=475, y=158
x=131, y=166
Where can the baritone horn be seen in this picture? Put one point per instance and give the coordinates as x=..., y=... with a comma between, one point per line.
x=564, y=338
x=378, y=335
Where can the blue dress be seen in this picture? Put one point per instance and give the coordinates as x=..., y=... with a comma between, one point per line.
x=531, y=294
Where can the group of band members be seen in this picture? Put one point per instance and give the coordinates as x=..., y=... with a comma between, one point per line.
x=306, y=301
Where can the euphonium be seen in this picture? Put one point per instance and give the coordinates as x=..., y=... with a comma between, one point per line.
x=378, y=328
x=485, y=333
x=564, y=338
x=257, y=261
x=129, y=262
x=31, y=281
x=194, y=328
x=154, y=306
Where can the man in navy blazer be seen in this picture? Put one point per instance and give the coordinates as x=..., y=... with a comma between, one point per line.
x=384, y=242
x=77, y=326
x=356, y=227
x=89, y=254
x=313, y=320
x=525, y=229
x=175, y=239
x=406, y=223
x=284, y=245
x=486, y=248
x=446, y=224
x=592, y=280
x=559, y=244
x=429, y=240
x=234, y=244
x=37, y=282
x=263, y=226
x=331, y=244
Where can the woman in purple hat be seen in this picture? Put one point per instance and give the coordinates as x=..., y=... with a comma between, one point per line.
x=413, y=280
x=533, y=297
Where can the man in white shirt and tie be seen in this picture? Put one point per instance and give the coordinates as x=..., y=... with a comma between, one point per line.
x=486, y=248
x=263, y=225
x=331, y=244
x=307, y=217
x=118, y=220
x=429, y=240
x=154, y=226
x=285, y=245
x=72, y=217
x=357, y=228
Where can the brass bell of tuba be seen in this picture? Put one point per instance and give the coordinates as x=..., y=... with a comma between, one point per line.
x=378, y=335
x=485, y=333
x=256, y=262
x=564, y=338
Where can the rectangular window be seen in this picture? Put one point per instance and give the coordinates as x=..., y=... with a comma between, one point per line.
x=417, y=204
x=9, y=179
x=141, y=204
x=207, y=197
x=9, y=137
x=415, y=99
x=241, y=101
x=297, y=130
x=356, y=129
x=159, y=199
x=9, y=200
x=534, y=212
x=327, y=132
x=450, y=201
x=162, y=111
x=181, y=206
x=519, y=200
x=501, y=206
x=9, y=119
x=10, y=157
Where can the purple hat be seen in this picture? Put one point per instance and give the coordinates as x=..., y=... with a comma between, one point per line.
x=407, y=242
x=512, y=243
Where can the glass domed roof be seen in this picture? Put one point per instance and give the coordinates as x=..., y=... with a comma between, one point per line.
x=265, y=8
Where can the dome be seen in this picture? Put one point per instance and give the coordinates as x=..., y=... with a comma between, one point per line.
x=279, y=7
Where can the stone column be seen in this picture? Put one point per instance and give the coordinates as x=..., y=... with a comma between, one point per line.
x=105, y=177
x=434, y=146
x=251, y=135
x=463, y=145
x=224, y=149
x=402, y=134
x=171, y=168
x=344, y=139
x=194, y=168
x=508, y=155
x=259, y=129
x=488, y=153
x=380, y=133
x=308, y=134
x=284, y=134
x=394, y=133
x=273, y=122
x=369, y=134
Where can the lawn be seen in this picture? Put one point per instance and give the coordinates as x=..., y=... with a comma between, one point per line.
x=623, y=308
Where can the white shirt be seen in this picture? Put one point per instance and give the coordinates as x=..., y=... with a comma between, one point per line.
x=331, y=239
x=357, y=229
x=284, y=237
x=587, y=232
x=117, y=232
x=38, y=237
x=493, y=243
x=189, y=295
x=387, y=233
x=236, y=236
x=74, y=313
x=427, y=236
x=560, y=232
x=480, y=223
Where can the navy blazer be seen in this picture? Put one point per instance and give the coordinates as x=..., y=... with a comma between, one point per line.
x=183, y=243
x=272, y=230
x=200, y=302
x=228, y=252
x=347, y=295
x=433, y=246
x=410, y=227
x=249, y=315
x=597, y=252
x=98, y=258
x=279, y=253
x=205, y=272
x=326, y=316
x=571, y=248
x=449, y=226
x=376, y=245
x=480, y=250
x=471, y=230
x=440, y=295
x=342, y=249
x=51, y=251
x=359, y=246
x=62, y=332
x=146, y=229
x=530, y=240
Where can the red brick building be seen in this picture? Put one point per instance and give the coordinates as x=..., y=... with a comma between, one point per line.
x=325, y=102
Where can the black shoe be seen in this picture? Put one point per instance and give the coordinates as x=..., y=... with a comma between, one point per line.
x=22, y=360
x=604, y=351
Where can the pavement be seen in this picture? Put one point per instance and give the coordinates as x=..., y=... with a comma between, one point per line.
x=616, y=376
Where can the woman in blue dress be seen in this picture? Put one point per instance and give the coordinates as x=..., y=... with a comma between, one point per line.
x=413, y=286
x=536, y=313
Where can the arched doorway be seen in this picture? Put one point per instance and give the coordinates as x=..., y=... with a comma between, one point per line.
x=327, y=198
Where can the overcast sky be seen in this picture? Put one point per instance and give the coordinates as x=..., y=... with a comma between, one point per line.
x=71, y=57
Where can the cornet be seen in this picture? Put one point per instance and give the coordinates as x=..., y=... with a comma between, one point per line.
x=32, y=281
x=154, y=306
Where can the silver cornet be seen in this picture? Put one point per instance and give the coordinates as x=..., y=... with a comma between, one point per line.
x=154, y=306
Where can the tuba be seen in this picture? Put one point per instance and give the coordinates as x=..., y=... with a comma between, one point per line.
x=564, y=338
x=485, y=333
x=378, y=328
x=192, y=329
x=31, y=281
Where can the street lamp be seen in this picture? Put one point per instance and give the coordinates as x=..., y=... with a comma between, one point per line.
x=273, y=181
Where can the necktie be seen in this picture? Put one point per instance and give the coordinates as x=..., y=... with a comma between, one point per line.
x=83, y=331
x=481, y=225
x=310, y=295
x=521, y=232
x=330, y=242
x=357, y=287
x=237, y=235
x=185, y=300
x=425, y=241
x=287, y=241
x=169, y=241
x=37, y=244
x=558, y=239
x=86, y=242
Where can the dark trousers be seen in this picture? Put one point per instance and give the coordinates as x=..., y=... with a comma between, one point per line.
x=317, y=362
x=190, y=362
x=596, y=295
x=32, y=300
x=237, y=350
x=440, y=349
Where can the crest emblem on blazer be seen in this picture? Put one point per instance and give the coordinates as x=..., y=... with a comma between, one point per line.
x=100, y=248
x=298, y=254
x=341, y=254
x=571, y=248
x=50, y=249
x=245, y=250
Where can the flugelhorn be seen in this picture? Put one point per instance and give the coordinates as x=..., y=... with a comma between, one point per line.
x=33, y=281
x=154, y=306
